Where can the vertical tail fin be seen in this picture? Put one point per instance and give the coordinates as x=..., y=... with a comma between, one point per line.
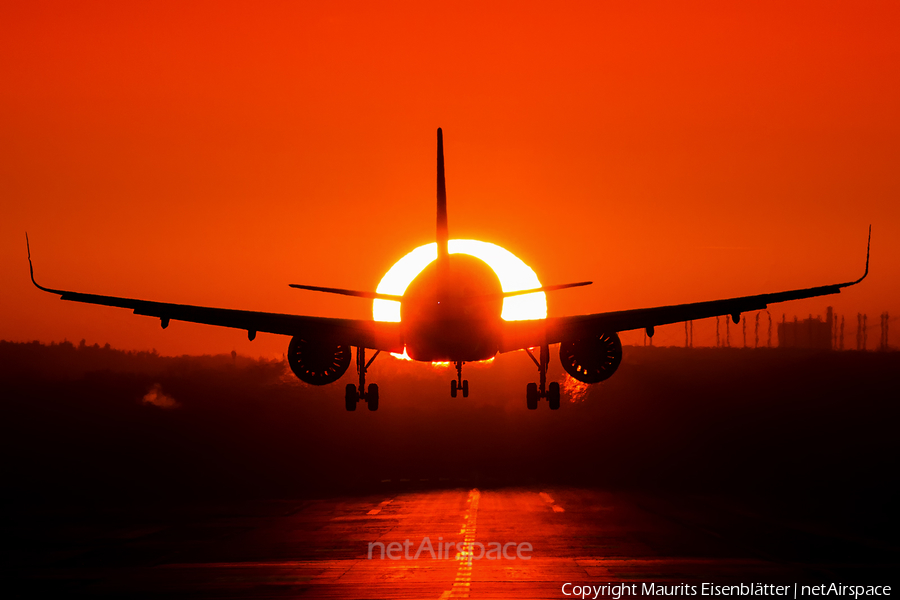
x=443, y=234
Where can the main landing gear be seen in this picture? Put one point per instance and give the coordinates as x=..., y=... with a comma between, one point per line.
x=459, y=384
x=551, y=393
x=352, y=394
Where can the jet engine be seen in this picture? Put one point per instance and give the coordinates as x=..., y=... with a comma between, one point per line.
x=592, y=360
x=317, y=362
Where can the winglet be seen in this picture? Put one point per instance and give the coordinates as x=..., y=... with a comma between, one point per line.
x=868, y=248
x=31, y=269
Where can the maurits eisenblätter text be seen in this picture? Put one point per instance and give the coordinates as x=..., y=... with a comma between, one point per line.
x=620, y=590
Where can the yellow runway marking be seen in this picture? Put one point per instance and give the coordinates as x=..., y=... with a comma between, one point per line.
x=463, y=579
x=375, y=511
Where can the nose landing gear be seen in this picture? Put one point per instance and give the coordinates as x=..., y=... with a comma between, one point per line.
x=352, y=394
x=459, y=384
x=533, y=393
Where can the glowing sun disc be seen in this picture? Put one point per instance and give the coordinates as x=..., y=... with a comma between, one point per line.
x=514, y=275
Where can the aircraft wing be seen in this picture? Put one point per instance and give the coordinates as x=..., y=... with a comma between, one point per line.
x=529, y=334
x=353, y=332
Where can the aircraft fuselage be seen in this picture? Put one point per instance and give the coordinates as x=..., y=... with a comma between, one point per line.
x=451, y=311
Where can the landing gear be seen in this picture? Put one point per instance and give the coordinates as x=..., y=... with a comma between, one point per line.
x=459, y=384
x=352, y=393
x=533, y=393
x=455, y=388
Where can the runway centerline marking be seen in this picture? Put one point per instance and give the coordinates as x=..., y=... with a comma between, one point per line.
x=463, y=579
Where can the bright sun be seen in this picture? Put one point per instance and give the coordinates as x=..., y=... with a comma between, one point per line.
x=514, y=275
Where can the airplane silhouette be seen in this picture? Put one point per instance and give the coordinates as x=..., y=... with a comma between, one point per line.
x=451, y=312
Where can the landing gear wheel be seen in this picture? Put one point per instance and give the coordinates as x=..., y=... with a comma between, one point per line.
x=535, y=393
x=356, y=393
x=553, y=395
x=531, y=396
x=459, y=385
x=351, y=397
x=372, y=396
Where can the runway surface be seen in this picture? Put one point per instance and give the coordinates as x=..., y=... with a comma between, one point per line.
x=319, y=548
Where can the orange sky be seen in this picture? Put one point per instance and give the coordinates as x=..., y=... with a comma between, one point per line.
x=212, y=154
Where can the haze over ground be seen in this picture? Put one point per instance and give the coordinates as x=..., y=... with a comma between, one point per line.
x=86, y=422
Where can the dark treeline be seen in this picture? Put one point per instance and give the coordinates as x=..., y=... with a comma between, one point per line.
x=85, y=422
x=66, y=360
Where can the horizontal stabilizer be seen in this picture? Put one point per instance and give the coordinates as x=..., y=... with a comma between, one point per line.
x=343, y=292
x=547, y=288
x=378, y=296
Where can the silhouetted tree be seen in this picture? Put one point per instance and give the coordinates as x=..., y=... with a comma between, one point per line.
x=744, y=326
x=756, y=332
x=717, y=333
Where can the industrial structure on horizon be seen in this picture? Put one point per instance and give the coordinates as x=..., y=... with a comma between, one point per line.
x=809, y=333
